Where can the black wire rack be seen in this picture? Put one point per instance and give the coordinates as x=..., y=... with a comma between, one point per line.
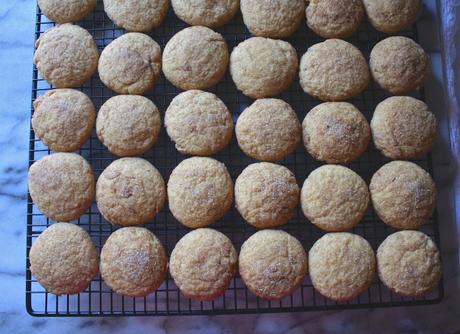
x=100, y=300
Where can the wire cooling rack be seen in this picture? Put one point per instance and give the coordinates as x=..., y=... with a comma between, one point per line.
x=99, y=300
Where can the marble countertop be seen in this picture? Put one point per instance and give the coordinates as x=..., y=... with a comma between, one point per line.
x=17, y=24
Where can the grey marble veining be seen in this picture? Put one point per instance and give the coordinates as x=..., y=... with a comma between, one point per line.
x=17, y=23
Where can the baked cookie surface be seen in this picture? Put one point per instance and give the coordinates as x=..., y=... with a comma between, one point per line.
x=391, y=16
x=208, y=13
x=66, y=11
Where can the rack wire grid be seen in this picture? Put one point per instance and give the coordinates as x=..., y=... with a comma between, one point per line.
x=100, y=300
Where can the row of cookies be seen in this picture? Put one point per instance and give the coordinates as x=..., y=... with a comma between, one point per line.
x=197, y=58
x=203, y=263
x=131, y=191
x=275, y=19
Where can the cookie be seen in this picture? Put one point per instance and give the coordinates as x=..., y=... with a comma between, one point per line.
x=403, y=127
x=341, y=265
x=130, y=64
x=139, y=15
x=208, y=13
x=335, y=18
x=409, y=263
x=66, y=55
x=272, y=264
x=65, y=11
x=334, y=198
x=203, y=263
x=333, y=70
x=403, y=195
x=399, y=65
x=268, y=130
x=200, y=191
x=391, y=16
x=275, y=19
x=266, y=194
x=63, y=119
x=64, y=259
x=336, y=132
x=195, y=58
x=133, y=262
x=198, y=123
x=62, y=186
x=263, y=67
x=130, y=191
x=128, y=125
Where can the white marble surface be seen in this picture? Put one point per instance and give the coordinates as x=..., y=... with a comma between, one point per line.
x=17, y=19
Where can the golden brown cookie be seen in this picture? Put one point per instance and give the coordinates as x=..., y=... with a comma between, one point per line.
x=272, y=264
x=391, y=16
x=200, y=191
x=335, y=18
x=334, y=198
x=275, y=19
x=268, y=130
x=130, y=64
x=203, y=263
x=139, y=15
x=263, y=67
x=63, y=119
x=198, y=123
x=341, y=265
x=195, y=58
x=208, y=13
x=399, y=65
x=266, y=194
x=133, y=262
x=409, y=263
x=128, y=125
x=403, y=195
x=333, y=70
x=64, y=259
x=130, y=191
x=403, y=127
x=62, y=186
x=66, y=55
x=65, y=11
x=336, y=132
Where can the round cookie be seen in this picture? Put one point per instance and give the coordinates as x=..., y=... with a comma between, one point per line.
x=130, y=64
x=275, y=19
x=130, y=191
x=333, y=70
x=64, y=259
x=203, y=263
x=128, y=124
x=334, y=198
x=200, y=191
x=266, y=194
x=263, y=67
x=341, y=265
x=272, y=264
x=268, y=130
x=403, y=127
x=403, y=195
x=65, y=11
x=409, y=263
x=208, y=13
x=66, y=55
x=336, y=132
x=199, y=123
x=399, y=65
x=335, y=18
x=195, y=58
x=62, y=186
x=63, y=119
x=133, y=262
x=391, y=16
x=139, y=15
